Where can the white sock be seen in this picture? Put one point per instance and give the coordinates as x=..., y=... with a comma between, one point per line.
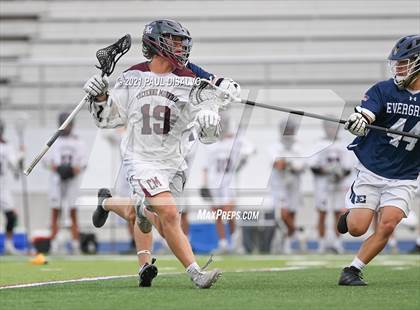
x=321, y=244
x=418, y=241
x=193, y=268
x=392, y=242
x=75, y=244
x=223, y=244
x=103, y=204
x=338, y=243
x=358, y=263
x=8, y=243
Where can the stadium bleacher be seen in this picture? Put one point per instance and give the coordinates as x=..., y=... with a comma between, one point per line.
x=223, y=31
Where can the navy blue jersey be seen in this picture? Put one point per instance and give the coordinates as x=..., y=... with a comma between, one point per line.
x=388, y=155
x=199, y=71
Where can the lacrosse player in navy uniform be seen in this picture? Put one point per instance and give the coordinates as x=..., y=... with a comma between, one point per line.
x=158, y=114
x=389, y=164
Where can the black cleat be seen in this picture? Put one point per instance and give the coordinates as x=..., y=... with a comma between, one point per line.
x=100, y=216
x=351, y=276
x=147, y=273
x=342, y=223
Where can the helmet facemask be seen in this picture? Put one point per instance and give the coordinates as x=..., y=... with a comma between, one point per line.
x=176, y=48
x=405, y=71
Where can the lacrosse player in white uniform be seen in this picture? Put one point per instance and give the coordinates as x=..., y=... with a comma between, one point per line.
x=66, y=162
x=330, y=168
x=153, y=101
x=286, y=180
x=9, y=164
x=224, y=159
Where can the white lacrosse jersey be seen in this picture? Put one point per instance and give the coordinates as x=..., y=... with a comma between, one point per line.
x=70, y=150
x=8, y=163
x=286, y=184
x=223, y=160
x=334, y=157
x=158, y=115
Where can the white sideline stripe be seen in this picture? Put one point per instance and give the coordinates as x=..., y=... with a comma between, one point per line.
x=130, y=276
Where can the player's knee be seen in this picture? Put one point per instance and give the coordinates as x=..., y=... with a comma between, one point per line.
x=170, y=216
x=11, y=219
x=386, y=227
x=130, y=215
x=357, y=230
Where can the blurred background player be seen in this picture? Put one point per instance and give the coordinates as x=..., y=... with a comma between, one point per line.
x=224, y=159
x=66, y=161
x=389, y=164
x=121, y=186
x=9, y=164
x=330, y=168
x=416, y=248
x=286, y=179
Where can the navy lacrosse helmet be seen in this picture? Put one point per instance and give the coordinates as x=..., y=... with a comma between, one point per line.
x=168, y=39
x=404, y=60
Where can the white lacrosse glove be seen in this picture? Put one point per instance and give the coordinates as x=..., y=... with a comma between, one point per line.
x=96, y=85
x=209, y=123
x=356, y=123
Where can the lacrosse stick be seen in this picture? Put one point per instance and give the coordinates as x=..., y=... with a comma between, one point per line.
x=107, y=58
x=203, y=90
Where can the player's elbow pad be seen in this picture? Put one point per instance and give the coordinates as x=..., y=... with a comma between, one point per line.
x=105, y=114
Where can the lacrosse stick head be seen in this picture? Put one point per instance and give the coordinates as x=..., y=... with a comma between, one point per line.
x=205, y=91
x=109, y=56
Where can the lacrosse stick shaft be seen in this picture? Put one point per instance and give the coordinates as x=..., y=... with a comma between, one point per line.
x=325, y=118
x=51, y=141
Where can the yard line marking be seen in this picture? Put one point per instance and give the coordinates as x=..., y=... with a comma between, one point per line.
x=130, y=276
x=65, y=281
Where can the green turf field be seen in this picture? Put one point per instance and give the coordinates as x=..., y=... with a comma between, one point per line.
x=248, y=282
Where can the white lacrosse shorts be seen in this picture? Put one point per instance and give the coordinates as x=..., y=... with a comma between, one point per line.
x=370, y=191
x=147, y=181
